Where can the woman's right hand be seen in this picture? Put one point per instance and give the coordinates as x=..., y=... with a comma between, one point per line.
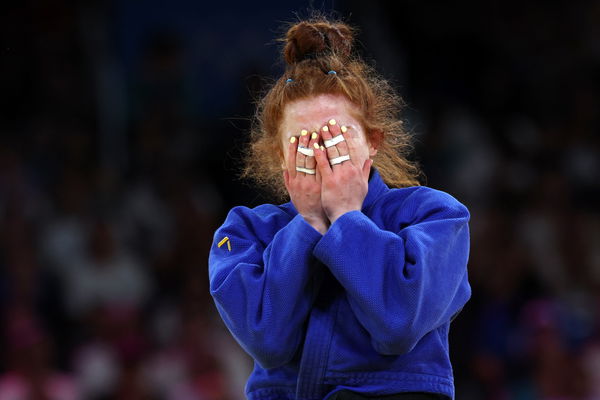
x=304, y=188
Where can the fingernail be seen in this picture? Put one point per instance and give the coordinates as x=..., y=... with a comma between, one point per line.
x=316, y=145
x=325, y=128
x=344, y=129
x=314, y=135
x=322, y=148
x=293, y=139
x=304, y=132
x=332, y=122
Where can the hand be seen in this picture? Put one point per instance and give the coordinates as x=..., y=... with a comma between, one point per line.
x=344, y=186
x=305, y=189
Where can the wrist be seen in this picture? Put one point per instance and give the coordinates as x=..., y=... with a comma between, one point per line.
x=334, y=216
x=320, y=224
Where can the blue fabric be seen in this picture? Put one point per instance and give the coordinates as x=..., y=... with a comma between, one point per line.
x=365, y=307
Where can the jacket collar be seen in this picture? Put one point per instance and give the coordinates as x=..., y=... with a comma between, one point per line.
x=377, y=188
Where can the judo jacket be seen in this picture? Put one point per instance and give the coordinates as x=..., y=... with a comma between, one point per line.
x=366, y=307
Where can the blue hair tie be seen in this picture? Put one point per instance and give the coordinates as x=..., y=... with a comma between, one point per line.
x=332, y=72
x=289, y=80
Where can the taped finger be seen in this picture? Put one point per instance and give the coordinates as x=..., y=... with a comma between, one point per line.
x=339, y=160
x=308, y=171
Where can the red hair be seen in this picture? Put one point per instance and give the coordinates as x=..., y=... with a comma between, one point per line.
x=312, y=49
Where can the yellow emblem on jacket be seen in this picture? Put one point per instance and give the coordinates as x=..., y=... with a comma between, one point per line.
x=223, y=241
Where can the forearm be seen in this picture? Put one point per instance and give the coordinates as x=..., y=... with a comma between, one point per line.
x=265, y=296
x=400, y=286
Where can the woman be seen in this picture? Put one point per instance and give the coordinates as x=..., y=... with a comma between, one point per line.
x=348, y=290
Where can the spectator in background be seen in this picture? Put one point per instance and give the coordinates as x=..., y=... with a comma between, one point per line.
x=30, y=373
x=105, y=275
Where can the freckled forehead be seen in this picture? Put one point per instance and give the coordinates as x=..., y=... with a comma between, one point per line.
x=310, y=113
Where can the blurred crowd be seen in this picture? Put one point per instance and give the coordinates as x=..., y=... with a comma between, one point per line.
x=111, y=186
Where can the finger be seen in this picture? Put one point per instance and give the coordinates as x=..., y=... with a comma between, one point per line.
x=291, y=158
x=302, y=142
x=332, y=151
x=304, y=138
x=311, y=163
x=322, y=161
x=342, y=147
x=317, y=173
x=352, y=145
x=334, y=128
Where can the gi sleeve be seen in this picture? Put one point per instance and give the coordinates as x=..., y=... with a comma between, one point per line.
x=404, y=283
x=260, y=280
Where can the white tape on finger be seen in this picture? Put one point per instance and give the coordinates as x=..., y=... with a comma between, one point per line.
x=339, y=160
x=335, y=140
x=309, y=171
x=306, y=151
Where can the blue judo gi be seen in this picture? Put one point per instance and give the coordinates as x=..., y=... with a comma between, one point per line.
x=365, y=307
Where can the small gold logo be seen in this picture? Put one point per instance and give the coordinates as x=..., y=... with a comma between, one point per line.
x=223, y=241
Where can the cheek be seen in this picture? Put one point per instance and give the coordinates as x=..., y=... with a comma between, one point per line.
x=364, y=144
x=364, y=153
x=283, y=153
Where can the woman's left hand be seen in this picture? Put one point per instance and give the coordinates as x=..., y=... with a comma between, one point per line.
x=344, y=186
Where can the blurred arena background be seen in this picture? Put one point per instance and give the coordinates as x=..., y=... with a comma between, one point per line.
x=121, y=128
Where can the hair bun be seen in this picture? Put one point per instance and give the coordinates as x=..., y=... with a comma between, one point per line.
x=308, y=39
